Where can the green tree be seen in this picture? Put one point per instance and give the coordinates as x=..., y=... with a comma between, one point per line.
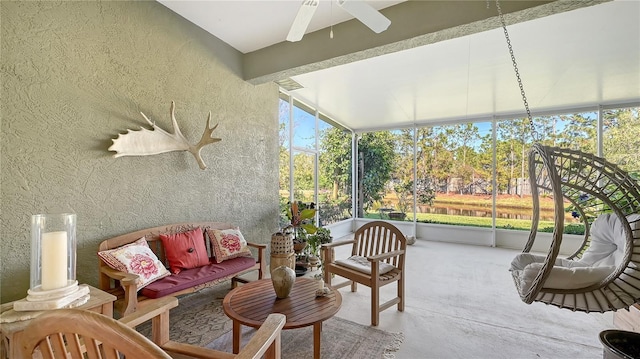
x=441, y=159
x=460, y=140
x=512, y=137
x=484, y=164
x=303, y=168
x=425, y=179
x=579, y=132
x=283, y=141
x=376, y=156
x=546, y=128
x=335, y=176
x=621, y=140
x=284, y=166
x=402, y=176
x=335, y=160
x=424, y=152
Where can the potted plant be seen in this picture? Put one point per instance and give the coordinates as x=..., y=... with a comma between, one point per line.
x=315, y=241
x=301, y=217
x=320, y=237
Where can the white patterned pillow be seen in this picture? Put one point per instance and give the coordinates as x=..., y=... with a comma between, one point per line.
x=227, y=244
x=136, y=258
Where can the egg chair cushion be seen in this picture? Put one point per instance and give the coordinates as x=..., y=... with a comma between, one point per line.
x=565, y=274
x=608, y=240
x=602, y=257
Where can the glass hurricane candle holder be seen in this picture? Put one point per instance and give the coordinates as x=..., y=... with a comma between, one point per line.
x=53, y=281
x=53, y=251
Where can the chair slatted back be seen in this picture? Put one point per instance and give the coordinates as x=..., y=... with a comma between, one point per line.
x=82, y=334
x=379, y=237
x=88, y=335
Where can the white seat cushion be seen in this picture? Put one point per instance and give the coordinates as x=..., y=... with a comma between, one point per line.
x=607, y=240
x=598, y=262
x=361, y=264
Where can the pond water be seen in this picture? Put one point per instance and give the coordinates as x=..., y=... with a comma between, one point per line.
x=502, y=212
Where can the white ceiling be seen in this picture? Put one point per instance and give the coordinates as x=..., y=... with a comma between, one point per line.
x=249, y=25
x=574, y=59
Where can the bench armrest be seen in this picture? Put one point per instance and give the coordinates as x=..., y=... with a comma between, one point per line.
x=156, y=310
x=262, y=248
x=125, y=279
x=148, y=310
x=257, y=245
x=128, y=281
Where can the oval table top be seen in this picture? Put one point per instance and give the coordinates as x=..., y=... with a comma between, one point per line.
x=251, y=303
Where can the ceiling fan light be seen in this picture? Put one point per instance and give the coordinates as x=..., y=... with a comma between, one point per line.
x=301, y=22
x=364, y=12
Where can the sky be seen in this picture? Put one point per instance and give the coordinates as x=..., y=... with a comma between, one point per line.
x=304, y=131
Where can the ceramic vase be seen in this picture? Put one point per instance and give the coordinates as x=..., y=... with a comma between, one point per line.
x=283, y=279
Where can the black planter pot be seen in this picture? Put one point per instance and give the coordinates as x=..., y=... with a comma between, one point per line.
x=620, y=344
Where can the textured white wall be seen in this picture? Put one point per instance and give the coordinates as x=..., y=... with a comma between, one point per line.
x=73, y=76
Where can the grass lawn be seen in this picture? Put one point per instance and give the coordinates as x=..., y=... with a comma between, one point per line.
x=520, y=224
x=501, y=223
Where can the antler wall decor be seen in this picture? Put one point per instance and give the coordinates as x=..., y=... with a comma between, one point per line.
x=152, y=142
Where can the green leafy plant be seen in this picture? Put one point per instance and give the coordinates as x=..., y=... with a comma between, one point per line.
x=320, y=237
x=301, y=217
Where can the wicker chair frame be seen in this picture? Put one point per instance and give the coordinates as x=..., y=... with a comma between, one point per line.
x=592, y=186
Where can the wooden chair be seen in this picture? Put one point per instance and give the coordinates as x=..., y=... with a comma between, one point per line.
x=383, y=245
x=76, y=333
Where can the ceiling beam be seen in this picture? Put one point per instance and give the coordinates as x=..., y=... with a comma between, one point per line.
x=413, y=24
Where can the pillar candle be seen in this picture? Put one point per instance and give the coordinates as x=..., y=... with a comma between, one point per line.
x=54, y=260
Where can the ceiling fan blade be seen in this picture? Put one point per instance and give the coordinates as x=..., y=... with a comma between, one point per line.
x=301, y=22
x=368, y=15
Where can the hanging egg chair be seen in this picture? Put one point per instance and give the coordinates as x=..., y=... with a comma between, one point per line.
x=603, y=274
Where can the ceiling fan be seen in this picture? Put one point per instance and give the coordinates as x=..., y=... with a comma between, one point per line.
x=362, y=11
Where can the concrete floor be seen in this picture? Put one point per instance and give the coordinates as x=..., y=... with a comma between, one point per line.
x=461, y=303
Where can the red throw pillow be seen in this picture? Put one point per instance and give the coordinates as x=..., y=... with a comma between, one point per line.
x=185, y=250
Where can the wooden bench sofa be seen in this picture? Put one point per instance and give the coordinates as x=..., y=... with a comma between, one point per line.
x=124, y=285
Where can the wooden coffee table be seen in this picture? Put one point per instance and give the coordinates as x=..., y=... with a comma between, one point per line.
x=251, y=303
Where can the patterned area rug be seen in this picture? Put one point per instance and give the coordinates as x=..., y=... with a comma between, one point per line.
x=200, y=320
x=341, y=338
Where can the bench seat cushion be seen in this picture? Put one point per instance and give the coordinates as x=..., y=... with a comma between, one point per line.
x=188, y=278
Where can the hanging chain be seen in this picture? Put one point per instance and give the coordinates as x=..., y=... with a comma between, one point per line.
x=534, y=133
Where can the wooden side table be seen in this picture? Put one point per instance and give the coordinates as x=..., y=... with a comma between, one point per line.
x=99, y=301
x=251, y=303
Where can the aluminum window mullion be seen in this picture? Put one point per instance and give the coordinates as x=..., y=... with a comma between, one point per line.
x=316, y=168
x=494, y=178
x=354, y=176
x=415, y=180
x=291, y=148
x=600, y=132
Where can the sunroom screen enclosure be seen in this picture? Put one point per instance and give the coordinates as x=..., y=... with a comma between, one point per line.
x=467, y=174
